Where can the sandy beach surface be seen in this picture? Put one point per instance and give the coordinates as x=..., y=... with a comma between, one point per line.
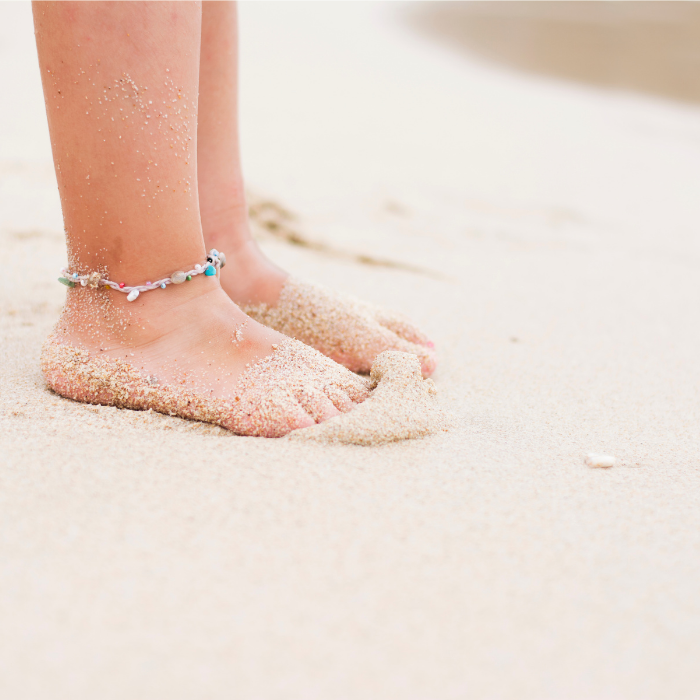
x=545, y=234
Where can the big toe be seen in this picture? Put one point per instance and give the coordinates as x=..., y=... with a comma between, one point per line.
x=426, y=355
x=271, y=413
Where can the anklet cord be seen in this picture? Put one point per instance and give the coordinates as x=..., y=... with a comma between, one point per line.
x=214, y=262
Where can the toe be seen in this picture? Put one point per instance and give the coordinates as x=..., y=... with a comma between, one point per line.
x=355, y=388
x=403, y=327
x=339, y=398
x=426, y=355
x=292, y=417
x=296, y=417
x=268, y=413
x=317, y=404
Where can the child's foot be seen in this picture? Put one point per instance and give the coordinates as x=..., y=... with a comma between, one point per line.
x=191, y=352
x=348, y=330
x=343, y=328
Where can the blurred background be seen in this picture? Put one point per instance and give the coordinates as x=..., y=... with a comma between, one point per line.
x=651, y=47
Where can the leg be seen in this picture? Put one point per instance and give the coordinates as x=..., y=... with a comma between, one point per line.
x=120, y=83
x=346, y=330
x=224, y=210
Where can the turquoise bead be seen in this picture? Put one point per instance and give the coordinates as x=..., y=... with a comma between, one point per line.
x=210, y=271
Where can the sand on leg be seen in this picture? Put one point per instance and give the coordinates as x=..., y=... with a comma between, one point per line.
x=121, y=87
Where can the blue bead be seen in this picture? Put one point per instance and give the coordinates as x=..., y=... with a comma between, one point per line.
x=214, y=251
x=210, y=271
x=75, y=275
x=162, y=285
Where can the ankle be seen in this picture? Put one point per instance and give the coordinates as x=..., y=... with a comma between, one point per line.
x=104, y=318
x=250, y=277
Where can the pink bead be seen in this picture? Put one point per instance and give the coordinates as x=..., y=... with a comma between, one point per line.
x=121, y=285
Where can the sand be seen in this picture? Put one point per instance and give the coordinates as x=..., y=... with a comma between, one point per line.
x=544, y=235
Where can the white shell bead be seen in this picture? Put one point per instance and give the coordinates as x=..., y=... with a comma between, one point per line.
x=178, y=277
x=133, y=294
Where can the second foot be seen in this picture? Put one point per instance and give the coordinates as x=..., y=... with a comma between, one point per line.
x=347, y=330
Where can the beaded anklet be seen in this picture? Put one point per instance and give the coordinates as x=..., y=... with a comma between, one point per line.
x=215, y=261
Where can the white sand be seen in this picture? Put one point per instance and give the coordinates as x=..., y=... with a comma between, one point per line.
x=146, y=557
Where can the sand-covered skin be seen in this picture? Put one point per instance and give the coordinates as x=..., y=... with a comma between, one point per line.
x=402, y=405
x=348, y=330
x=266, y=402
x=269, y=396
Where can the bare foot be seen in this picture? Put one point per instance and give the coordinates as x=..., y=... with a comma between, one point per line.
x=347, y=330
x=343, y=328
x=190, y=351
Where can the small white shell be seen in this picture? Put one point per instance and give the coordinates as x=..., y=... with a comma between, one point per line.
x=178, y=277
x=222, y=258
x=133, y=294
x=605, y=461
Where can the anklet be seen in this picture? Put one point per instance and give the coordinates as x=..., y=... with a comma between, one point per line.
x=215, y=261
